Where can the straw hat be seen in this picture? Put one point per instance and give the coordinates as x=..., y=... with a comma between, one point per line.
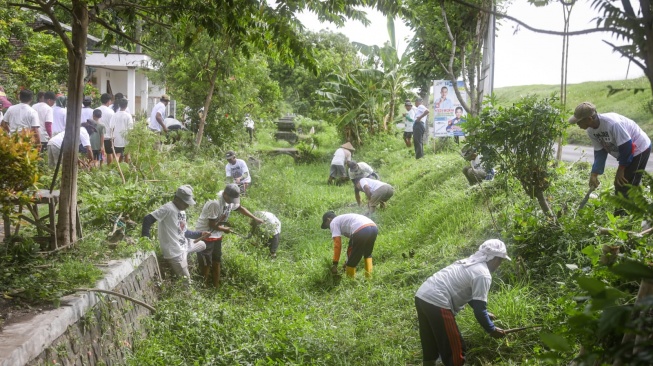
x=348, y=146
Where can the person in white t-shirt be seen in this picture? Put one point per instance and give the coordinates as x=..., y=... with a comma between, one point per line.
x=409, y=121
x=419, y=128
x=59, y=115
x=173, y=234
x=46, y=116
x=269, y=230
x=237, y=171
x=119, y=125
x=213, y=219
x=22, y=117
x=362, y=233
x=158, y=115
x=621, y=137
x=342, y=157
x=444, y=294
x=87, y=111
x=376, y=191
x=249, y=126
x=107, y=114
x=55, y=143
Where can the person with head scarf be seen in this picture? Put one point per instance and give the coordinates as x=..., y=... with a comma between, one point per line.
x=444, y=294
x=59, y=115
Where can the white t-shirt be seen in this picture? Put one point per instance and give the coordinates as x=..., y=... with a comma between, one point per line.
x=87, y=113
x=341, y=156
x=84, y=138
x=249, y=122
x=215, y=209
x=272, y=225
x=237, y=170
x=158, y=108
x=409, y=120
x=58, y=119
x=347, y=224
x=107, y=114
x=372, y=183
x=171, y=122
x=121, y=122
x=363, y=171
x=21, y=117
x=45, y=115
x=172, y=226
x=614, y=130
x=454, y=286
x=419, y=112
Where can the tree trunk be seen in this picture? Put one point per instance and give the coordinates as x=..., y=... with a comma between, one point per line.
x=207, y=104
x=66, y=225
x=544, y=204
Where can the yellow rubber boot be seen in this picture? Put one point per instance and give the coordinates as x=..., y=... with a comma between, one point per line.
x=351, y=271
x=368, y=267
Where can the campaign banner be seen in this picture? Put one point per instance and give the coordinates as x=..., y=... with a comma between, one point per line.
x=447, y=110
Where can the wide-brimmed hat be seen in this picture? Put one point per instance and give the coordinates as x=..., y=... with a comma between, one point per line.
x=583, y=110
x=233, y=192
x=327, y=215
x=348, y=146
x=185, y=193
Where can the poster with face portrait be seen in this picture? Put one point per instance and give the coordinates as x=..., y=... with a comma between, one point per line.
x=449, y=114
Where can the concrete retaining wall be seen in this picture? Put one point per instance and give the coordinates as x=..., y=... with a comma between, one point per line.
x=89, y=328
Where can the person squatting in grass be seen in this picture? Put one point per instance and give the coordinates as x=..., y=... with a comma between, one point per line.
x=173, y=233
x=621, y=137
x=237, y=171
x=213, y=219
x=444, y=294
x=376, y=192
x=342, y=157
x=475, y=173
x=269, y=230
x=361, y=232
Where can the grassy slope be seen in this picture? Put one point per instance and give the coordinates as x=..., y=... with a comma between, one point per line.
x=290, y=311
x=634, y=106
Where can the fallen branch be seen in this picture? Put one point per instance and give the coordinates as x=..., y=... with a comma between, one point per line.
x=515, y=330
x=632, y=234
x=139, y=302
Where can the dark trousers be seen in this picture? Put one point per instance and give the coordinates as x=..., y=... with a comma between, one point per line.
x=273, y=243
x=631, y=173
x=418, y=139
x=361, y=245
x=439, y=334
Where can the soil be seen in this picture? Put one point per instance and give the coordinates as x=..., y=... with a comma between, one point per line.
x=14, y=311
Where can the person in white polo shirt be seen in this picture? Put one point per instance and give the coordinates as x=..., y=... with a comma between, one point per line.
x=21, y=117
x=361, y=232
x=377, y=192
x=444, y=294
x=342, y=157
x=621, y=137
x=237, y=171
x=54, y=146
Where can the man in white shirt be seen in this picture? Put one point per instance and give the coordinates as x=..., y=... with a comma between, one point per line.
x=54, y=146
x=23, y=117
x=342, y=157
x=249, y=126
x=409, y=121
x=237, y=171
x=444, y=102
x=158, y=115
x=107, y=114
x=444, y=294
x=621, y=137
x=213, y=219
x=59, y=115
x=173, y=234
x=46, y=117
x=362, y=233
x=376, y=191
x=87, y=111
x=119, y=125
x=419, y=128
x=269, y=230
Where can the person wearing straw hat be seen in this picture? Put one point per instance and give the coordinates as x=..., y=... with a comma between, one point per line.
x=621, y=137
x=409, y=120
x=173, y=234
x=362, y=233
x=444, y=294
x=341, y=158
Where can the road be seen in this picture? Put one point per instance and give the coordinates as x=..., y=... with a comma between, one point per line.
x=586, y=153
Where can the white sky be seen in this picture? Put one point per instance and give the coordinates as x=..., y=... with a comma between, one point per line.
x=525, y=57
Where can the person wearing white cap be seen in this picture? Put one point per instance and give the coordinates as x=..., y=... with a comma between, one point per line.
x=173, y=234
x=621, y=137
x=444, y=294
x=341, y=158
x=213, y=219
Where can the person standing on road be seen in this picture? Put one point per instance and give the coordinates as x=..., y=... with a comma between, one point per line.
x=361, y=232
x=237, y=171
x=621, y=137
x=419, y=128
x=409, y=121
x=342, y=157
x=376, y=191
x=444, y=294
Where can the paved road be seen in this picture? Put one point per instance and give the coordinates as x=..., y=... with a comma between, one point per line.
x=586, y=153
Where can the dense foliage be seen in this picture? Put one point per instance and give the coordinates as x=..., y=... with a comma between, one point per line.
x=19, y=169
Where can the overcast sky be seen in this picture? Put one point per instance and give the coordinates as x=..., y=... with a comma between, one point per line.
x=522, y=57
